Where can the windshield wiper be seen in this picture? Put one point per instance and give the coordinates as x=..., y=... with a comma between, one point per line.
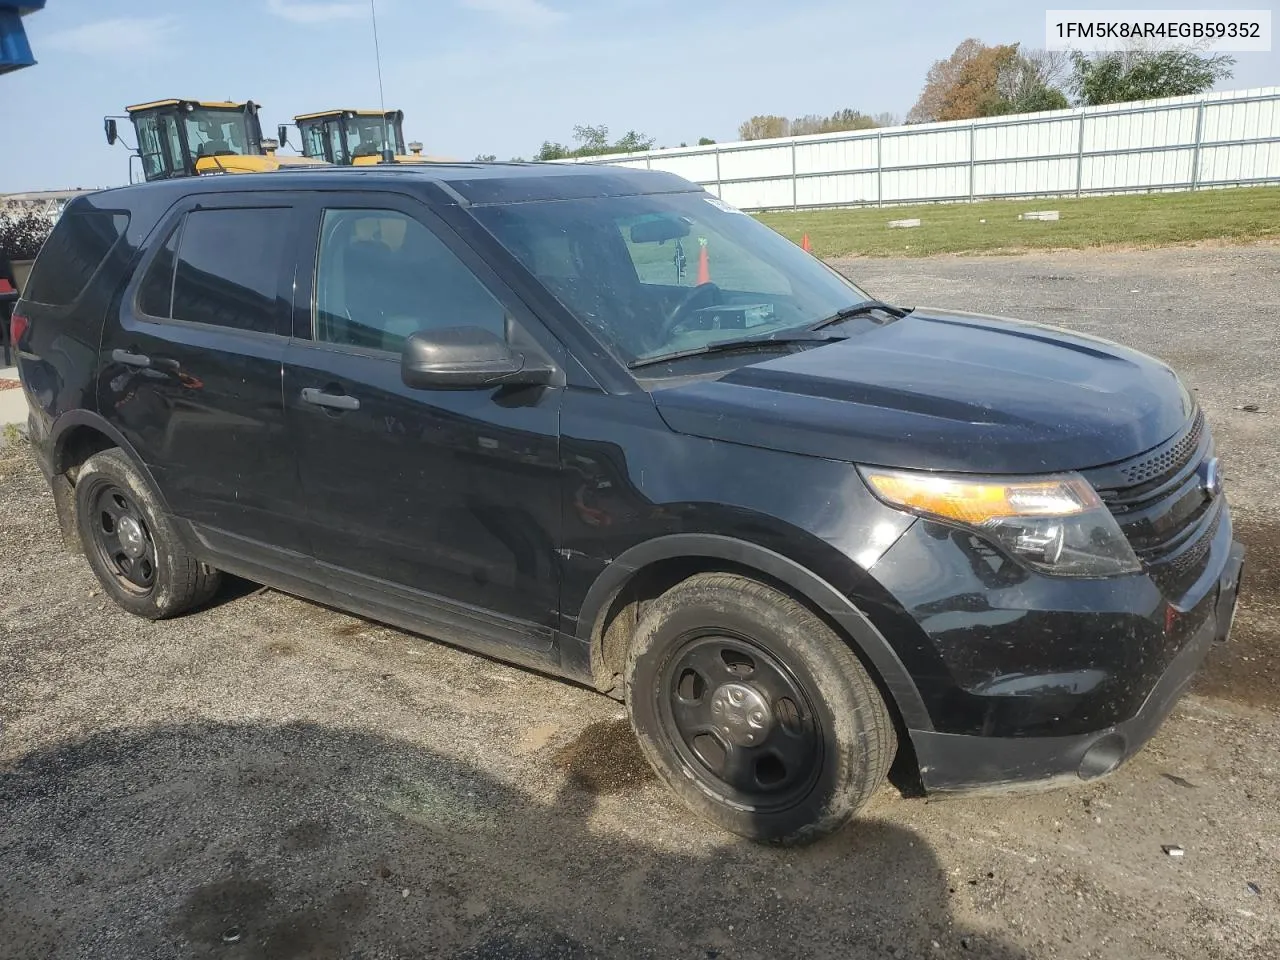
x=861, y=309
x=724, y=346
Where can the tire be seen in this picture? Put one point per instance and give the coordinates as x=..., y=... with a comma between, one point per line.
x=755, y=711
x=131, y=543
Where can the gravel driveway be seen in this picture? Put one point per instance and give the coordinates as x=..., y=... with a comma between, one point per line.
x=269, y=778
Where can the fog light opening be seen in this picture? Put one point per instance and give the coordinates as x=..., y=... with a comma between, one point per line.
x=1103, y=757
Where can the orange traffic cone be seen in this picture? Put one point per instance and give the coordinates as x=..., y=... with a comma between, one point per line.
x=805, y=245
x=704, y=267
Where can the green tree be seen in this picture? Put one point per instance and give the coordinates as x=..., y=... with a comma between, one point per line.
x=631, y=142
x=551, y=151
x=847, y=119
x=1138, y=74
x=486, y=157
x=591, y=137
x=594, y=141
x=705, y=141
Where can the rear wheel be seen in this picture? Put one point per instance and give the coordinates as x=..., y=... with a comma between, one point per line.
x=131, y=544
x=755, y=711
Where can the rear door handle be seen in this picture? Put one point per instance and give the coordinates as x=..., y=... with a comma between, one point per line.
x=335, y=401
x=130, y=359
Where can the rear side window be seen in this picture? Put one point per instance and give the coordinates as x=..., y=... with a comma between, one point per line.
x=80, y=242
x=220, y=267
x=155, y=294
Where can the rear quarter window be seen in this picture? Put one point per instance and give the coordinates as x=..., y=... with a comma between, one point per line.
x=81, y=241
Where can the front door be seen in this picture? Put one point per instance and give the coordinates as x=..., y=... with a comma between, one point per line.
x=443, y=503
x=191, y=374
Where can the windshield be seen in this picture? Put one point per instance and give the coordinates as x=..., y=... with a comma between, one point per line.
x=659, y=274
x=365, y=136
x=212, y=133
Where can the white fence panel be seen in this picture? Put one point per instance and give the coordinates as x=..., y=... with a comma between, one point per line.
x=1239, y=163
x=1022, y=177
x=837, y=190
x=1218, y=139
x=837, y=155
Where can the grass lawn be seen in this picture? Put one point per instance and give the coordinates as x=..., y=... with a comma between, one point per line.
x=1145, y=220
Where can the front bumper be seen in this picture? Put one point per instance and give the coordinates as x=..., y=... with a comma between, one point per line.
x=950, y=761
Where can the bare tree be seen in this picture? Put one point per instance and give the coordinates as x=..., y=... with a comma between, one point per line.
x=764, y=128
x=1033, y=69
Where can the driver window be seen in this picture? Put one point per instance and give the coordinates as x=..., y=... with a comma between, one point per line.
x=381, y=275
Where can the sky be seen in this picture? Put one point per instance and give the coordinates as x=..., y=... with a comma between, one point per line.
x=491, y=76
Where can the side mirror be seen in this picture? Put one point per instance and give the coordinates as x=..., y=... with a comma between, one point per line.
x=113, y=134
x=282, y=134
x=465, y=358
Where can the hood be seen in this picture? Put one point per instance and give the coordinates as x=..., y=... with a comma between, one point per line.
x=944, y=391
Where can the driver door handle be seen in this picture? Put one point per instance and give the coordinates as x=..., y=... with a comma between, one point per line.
x=334, y=401
x=130, y=359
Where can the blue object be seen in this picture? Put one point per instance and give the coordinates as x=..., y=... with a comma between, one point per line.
x=15, y=51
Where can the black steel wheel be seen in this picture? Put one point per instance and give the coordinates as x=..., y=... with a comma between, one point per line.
x=754, y=710
x=121, y=538
x=740, y=721
x=131, y=543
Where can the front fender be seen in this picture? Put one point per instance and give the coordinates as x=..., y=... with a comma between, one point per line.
x=862, y=634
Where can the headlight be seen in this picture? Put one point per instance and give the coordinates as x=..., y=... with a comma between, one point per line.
x=1055, y=524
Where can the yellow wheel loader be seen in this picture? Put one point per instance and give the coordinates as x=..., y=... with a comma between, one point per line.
x=355, y=137
x=184, y=138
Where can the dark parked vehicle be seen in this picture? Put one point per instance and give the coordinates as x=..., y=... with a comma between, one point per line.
x=799, y=531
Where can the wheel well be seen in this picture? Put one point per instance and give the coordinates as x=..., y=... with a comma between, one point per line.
x=73, y=449
x=616, y=624
x=76, y=447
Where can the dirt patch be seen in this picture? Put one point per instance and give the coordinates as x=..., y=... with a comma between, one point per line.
x=535, y=738
x=282, y=648
x=604, y=758
x=1246, y=669
x=306, y=835
x=1261, y=538
x=225, y=910
x=7, y=384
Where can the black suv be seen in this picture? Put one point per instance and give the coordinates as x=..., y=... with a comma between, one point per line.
x=602, y=424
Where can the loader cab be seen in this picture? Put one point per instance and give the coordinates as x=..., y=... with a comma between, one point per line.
x=354, y=137
x=182, y=138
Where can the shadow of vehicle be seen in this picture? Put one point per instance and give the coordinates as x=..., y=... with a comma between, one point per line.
x=244, y=841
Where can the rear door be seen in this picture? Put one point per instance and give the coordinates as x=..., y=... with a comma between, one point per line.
x=191, y=373
x=441, y=503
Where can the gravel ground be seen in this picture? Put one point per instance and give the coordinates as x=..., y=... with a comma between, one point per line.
x=268, y=778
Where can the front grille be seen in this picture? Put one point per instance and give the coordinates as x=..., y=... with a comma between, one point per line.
x=1166, y=459
x=1191, y=559
x=1160, y=504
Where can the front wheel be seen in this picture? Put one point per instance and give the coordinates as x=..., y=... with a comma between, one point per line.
x=754, y=711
